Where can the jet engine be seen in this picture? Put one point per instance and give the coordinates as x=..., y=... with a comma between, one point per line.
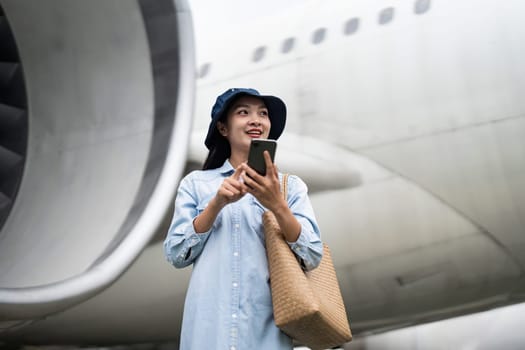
x=96, y=100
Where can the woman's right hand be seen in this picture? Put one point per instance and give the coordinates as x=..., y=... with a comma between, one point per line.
x=232, y=189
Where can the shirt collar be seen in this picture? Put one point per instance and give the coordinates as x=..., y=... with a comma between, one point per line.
x=226, y=168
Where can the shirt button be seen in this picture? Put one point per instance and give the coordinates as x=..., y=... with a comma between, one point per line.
x=236, y=225
x=234, y=315
x=232, y=347
x=236, y=254
x=234, y=284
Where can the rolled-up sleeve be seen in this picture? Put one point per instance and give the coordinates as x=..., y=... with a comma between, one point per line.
x=308, y=248
x=182, y=244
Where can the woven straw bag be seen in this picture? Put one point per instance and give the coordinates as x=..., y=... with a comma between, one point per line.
x=307, y=306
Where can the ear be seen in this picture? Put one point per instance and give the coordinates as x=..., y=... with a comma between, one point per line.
x=222, y=129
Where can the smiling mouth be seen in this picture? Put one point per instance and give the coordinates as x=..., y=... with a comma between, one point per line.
x=254, y=133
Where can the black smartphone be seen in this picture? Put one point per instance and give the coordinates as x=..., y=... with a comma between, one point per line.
x=256, y=157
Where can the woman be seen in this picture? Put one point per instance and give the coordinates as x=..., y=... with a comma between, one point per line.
x=217, y=227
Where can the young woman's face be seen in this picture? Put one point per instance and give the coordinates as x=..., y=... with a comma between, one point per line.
x=247, y=119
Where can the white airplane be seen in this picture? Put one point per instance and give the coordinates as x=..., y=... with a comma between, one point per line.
x=406, y=120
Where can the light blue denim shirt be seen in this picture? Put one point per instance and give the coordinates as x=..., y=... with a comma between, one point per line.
x=228, y=303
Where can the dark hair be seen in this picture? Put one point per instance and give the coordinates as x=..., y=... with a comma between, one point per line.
x=218, y=154
x=221, y=149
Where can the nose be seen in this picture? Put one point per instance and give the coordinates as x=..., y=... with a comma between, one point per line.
x=255, y=119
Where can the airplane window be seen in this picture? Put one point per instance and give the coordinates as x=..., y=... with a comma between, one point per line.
x=351, y=26
x=318, y=36
x=421, y=6
x=204, y=70
x=386, y=15
x=258, y=54
x=288, y=45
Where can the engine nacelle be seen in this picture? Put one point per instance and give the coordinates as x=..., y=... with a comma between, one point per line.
x=109, y=93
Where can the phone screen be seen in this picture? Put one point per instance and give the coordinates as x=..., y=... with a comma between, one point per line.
x=256, y=157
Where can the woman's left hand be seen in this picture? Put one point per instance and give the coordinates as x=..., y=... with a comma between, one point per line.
x=267, y=189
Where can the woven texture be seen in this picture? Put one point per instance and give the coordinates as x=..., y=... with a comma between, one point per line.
x=307, y=306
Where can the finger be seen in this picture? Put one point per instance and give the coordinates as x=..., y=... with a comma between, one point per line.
x=232, y=182
x=242, y=180
x=269, y=163
x=252, y=174
x=231, y=189
x=237, y=173
x=239, y=188
x=227, y=194
x=243, y=189
x=248, y=181
x=276, y=171
x=252, y=185
x=237, y=185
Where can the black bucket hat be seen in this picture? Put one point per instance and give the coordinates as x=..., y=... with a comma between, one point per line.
x=276, y=112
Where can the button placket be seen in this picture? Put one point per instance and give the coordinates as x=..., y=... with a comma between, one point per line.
x=236, y=214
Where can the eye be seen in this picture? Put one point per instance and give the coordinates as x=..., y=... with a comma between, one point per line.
x=264, y=113
x=242, y=111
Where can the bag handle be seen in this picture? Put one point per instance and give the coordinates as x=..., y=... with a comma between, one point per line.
x=284, y=187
